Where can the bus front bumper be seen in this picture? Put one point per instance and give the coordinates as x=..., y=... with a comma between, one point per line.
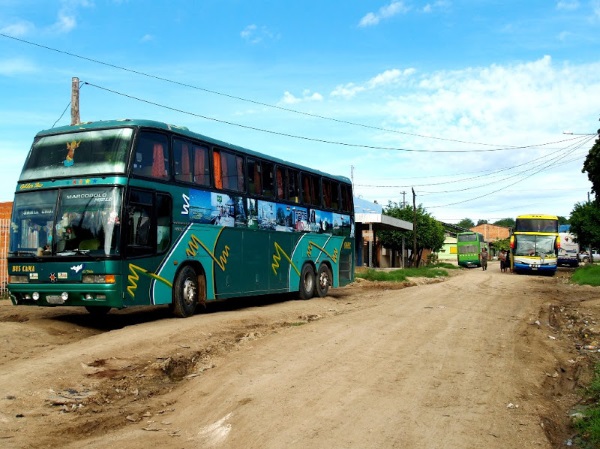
x=50, y=295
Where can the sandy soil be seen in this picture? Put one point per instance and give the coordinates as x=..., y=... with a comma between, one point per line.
x=481, y=359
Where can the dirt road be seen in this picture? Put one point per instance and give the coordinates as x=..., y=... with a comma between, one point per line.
x=482, y=359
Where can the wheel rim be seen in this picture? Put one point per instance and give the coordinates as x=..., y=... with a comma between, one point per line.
x=308, y=282
x=189, y=291
x=323, y=279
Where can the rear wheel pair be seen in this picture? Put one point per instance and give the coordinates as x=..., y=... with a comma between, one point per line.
x=311, y=283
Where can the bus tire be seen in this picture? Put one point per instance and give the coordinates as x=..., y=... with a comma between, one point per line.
x=307, y=282
x=185, y=293
x=98, y=310
x=324, y=280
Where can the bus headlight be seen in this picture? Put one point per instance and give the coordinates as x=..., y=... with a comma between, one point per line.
x=18, y=279
x=98, y=279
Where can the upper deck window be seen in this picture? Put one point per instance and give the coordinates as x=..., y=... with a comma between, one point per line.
x=152, y=156
x=85, y=153
x=536, y=225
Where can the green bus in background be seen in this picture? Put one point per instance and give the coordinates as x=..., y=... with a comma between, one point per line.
x=468, y=247
x=115, y=214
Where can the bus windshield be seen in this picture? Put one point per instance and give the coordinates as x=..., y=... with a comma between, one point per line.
x=66, y=222
x=536, y=225
x=86, y=153
x=535, y=245
x=467, y=237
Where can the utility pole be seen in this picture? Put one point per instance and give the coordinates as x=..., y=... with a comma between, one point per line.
x=416, y=264
x=403, y=200
x=75, y=101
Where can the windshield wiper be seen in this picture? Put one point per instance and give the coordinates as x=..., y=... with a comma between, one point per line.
x=23, y=253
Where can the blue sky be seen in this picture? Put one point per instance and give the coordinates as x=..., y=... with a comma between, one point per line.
x=463, y=101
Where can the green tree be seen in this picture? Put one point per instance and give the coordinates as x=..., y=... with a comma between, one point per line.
x=591, y=165
x=501, y=244
x=481, y=221
x=430, y=232
x=585, y=224
x=506, y=222
x=466, y=223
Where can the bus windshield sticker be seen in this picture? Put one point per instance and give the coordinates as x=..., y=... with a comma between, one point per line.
x=71, y=147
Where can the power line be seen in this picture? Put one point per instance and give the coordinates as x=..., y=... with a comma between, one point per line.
x=482, y=174
x=295, y=136
x=214, y=92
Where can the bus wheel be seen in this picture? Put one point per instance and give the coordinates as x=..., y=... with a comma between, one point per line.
x=98, y=310
x=307, y=282
x=324, y=280
x=185, y=293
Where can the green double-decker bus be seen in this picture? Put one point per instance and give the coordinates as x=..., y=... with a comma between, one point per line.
x=123, y=213
x=468, y=247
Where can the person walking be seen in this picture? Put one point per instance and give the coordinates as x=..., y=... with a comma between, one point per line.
x=483, y=257
x=507, y=262
x=502, y=258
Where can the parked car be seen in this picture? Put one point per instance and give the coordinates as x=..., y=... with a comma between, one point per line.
x=584, y=256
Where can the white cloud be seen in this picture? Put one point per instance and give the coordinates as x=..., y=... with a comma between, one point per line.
x=596, y=8
x=381, y=80
x=64, y=24
x=307, y=96
x=19, y=29
x=348, y=90
x=147, y=38
x=567, y=5
x=17, y=66
x=385, y=12
x=254, y=34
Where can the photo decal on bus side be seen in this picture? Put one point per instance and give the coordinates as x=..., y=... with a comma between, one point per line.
x=220, y=209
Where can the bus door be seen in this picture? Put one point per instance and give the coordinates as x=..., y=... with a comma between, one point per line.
x=147, y=236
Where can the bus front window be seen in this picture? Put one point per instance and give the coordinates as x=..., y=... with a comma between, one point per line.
x=32, y=223
x=85, y=153
x=535, y=245
x=88, y=220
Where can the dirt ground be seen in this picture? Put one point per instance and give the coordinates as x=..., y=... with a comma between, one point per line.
x=480, y=359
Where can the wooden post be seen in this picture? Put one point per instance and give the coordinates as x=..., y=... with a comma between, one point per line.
x=75, y=101
x=415, y=261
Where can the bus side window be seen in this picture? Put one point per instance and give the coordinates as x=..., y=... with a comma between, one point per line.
x=267, y=179
x=310, y=190
x=140, y=232
x=326, y=186
x=346, y=198
x=183, y=160
x=253, y=176
x=229, y=170
x=279, y=180
x=201, y=176
x=152, y=156
x=335, y=195
x=293, y=186
x=217, y=173
x=163, y=222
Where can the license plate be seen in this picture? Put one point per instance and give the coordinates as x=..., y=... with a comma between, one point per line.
x=54, y=299
x=534, y=267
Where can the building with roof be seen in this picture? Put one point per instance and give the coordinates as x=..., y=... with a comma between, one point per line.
x=369, y=219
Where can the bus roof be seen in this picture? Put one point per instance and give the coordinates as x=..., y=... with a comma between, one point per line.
x=182, y=131
x=538, y=217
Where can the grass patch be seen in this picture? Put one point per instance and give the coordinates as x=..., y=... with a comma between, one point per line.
x=589, y=426
x=400, y=275
x=587, y=275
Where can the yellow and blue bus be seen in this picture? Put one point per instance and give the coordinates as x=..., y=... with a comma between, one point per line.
x=534, y=244
x=124, y=213
x=468, y=247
